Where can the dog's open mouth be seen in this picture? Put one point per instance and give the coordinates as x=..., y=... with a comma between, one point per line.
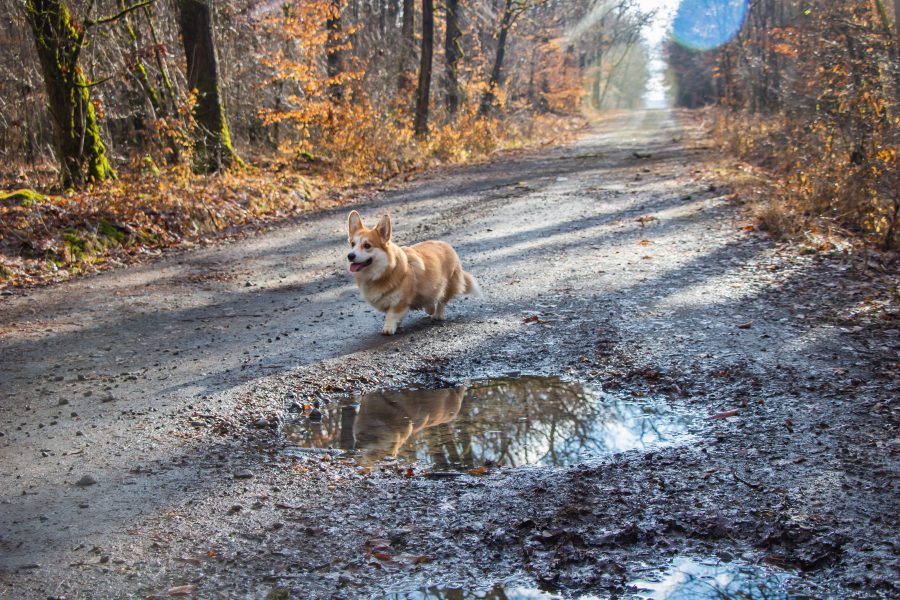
x=358, y=266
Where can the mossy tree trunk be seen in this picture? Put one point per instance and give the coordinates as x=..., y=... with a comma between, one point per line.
x=76, y=132
x=213, y=150
x=424, y=88
x=453, y=52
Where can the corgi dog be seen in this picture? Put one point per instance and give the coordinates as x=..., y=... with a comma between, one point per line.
x=395, y=279
x=387, y=420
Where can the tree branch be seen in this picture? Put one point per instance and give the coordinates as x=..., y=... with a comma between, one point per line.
x=118, y=15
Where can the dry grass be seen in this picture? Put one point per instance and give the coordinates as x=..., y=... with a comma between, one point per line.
x=58, y=236
x=806, y=183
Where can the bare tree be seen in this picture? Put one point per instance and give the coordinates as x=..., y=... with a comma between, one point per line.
x=453, y=53
x=213, y=149
x=424, y=88
x=76, y=134
x=335, y=52
x=512, y=10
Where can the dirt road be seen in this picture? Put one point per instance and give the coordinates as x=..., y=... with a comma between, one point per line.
x=139, y=409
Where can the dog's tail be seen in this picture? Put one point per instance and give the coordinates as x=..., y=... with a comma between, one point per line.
x=472, y=288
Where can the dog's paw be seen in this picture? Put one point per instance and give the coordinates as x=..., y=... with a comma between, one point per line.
x=386, y=330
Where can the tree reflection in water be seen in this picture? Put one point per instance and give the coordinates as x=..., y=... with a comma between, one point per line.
x=498, y=592
x=511, y=421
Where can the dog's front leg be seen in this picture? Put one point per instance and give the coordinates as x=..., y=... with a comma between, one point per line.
x=394, y=315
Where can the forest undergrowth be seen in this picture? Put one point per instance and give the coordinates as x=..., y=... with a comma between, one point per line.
x=150, y=208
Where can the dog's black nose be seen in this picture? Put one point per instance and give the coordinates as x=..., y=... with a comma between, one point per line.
x=352, y=256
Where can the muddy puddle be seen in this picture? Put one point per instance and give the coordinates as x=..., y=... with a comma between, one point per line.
x=710, y=579
x=682, y=579
x=517, y=421
x=496, y=592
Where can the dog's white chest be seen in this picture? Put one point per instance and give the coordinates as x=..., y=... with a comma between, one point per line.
x=382, y=302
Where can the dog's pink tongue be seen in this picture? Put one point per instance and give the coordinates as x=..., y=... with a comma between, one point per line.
x=354, y=267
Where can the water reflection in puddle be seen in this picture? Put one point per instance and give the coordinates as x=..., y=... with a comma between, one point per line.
x=684, y=579
x=513, y=421
x=497, y=592
x=691, y=579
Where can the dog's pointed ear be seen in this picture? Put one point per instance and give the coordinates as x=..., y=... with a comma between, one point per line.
x=384, y=228
x=354, y=222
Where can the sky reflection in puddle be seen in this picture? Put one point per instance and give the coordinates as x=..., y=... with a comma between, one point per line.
x=510, y=421
x=692, y=579
x=497, y=592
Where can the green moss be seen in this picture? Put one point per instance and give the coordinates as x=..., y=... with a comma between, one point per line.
x=24, y=197
x=59, y=41
x=76, y=246
x=148, y=237
x=112, y=232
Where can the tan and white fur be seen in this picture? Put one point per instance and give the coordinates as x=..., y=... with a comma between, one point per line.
x=386, y=420
x=395, y=279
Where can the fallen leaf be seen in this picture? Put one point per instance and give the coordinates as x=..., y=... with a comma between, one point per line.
x=644, y=242
x=533, y=319
x=378, y=544
x=746, y=325
x=182, y=590
x=724, y=415
x=479, y=471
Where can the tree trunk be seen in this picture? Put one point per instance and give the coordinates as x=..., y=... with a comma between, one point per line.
x=453, y=52
x=76, y=133
x=334, y=52
x=897, y=23
x=424, y=87
x=137, y=66
x=490, y=94
x=212, y=142
x=407, y=44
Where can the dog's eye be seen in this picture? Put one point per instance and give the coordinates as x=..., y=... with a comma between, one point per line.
x=367, y=245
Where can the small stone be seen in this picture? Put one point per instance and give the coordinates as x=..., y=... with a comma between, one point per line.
x=86, y=481
x=243, y=474
x=107, y=398
x=235, y=508
x=83, y=505
x=73, y=414
x=63, y=402
x=262, y=423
